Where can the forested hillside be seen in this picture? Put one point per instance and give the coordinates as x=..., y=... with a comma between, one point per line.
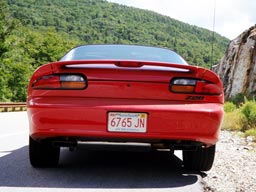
x=42, y=31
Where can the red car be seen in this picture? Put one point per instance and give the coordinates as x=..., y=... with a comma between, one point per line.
x=124, y=93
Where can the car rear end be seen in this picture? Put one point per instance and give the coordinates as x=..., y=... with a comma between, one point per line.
x=175, y=106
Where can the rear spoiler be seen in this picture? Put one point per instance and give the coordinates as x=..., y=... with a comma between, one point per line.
x=121, y=63
x=198, y=72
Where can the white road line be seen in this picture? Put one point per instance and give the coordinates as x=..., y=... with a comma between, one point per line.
x=13, y=134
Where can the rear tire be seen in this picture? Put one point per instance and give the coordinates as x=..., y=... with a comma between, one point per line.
x=199, y=160
x=43, y=154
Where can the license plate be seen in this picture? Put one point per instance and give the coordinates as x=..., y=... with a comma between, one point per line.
x=127, y=122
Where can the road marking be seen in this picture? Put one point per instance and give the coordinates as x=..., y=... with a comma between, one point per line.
x=13, y=134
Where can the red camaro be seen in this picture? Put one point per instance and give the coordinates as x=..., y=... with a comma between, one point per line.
x=124, y=93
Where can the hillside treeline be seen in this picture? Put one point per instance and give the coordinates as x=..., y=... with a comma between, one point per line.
x=36, y=32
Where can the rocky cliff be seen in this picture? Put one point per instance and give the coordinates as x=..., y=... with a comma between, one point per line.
x=237, y=68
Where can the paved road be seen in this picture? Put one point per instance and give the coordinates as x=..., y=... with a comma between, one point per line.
x=88, y=170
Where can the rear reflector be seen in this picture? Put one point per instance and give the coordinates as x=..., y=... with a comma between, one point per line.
x=194, y=86
x=60, y=81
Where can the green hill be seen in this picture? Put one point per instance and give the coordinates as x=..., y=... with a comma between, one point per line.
x=47, y=28
x=97, y=21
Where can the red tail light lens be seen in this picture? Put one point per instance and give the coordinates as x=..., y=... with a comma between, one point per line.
x=60, y=81
x=194, y=86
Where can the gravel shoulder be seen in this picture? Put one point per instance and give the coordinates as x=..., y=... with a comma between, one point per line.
x=234, y=167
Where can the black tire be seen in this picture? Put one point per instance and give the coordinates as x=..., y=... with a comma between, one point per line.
x=43, y=154
x=199, y=160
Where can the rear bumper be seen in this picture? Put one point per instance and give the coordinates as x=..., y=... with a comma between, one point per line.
x=87, y=118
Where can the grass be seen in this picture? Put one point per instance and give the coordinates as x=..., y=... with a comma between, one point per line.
x=233, y=121
x=251, y=132
x=240, y=117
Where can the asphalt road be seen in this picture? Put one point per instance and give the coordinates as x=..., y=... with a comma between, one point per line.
x=133, y=168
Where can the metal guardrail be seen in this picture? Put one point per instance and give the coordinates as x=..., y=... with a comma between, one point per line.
x=8, y=107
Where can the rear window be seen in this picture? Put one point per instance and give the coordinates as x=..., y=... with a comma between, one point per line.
x=123, y=52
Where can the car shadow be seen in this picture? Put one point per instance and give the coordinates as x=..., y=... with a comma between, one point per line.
x=86, y=168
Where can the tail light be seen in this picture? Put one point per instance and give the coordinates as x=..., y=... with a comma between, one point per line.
x=61, y=81
x=194, y=86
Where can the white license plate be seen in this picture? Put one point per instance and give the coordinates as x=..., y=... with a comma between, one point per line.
x=127, y=122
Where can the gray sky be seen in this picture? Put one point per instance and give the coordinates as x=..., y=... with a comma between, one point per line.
x=232, y=17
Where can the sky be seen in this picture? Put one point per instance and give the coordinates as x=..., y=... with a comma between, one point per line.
x=232, y=17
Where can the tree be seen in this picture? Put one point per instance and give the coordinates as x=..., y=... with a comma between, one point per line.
x=32, y=49
x=7, y=26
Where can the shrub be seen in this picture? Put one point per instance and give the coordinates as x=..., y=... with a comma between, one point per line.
x=241, y=118
x=251, y=132
x=238, y=99
x=248, y=109
x=229, y=106
x=233, y=121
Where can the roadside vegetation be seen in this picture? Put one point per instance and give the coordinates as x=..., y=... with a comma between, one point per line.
x=240, y=115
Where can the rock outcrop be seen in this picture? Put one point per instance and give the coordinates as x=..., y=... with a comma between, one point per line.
x=237, y=68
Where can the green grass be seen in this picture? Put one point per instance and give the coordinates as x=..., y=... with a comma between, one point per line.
x=233, y=121
x=229, y=106
x=251, y=132
x=240, y=117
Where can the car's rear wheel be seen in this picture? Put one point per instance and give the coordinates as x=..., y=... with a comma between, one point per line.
x=43, y=154
x=199, y=160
